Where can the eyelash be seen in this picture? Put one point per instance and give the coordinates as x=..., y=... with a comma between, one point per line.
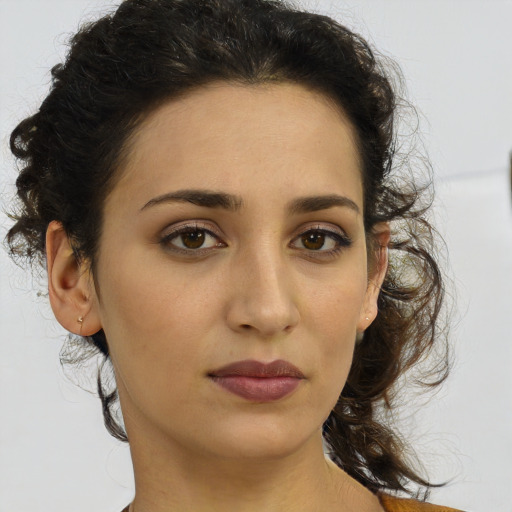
x=342, y=241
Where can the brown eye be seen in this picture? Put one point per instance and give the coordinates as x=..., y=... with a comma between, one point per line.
x=313, y=240
x=193, y=239
x=322, y=242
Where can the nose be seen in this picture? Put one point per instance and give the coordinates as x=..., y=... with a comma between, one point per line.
x=262, y=301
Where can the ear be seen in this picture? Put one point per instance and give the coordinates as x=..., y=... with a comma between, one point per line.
x=377, y=268
x=70, y=285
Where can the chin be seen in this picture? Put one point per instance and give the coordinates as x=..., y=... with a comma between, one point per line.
x=262, y=439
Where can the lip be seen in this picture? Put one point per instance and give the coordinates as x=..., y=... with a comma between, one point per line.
x=257, y=381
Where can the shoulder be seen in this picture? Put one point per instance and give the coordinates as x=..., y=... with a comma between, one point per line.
x=391, y=504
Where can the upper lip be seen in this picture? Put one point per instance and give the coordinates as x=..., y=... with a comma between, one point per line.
x=252, y=368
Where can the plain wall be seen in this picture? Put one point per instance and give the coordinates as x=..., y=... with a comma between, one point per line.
x=455, y=54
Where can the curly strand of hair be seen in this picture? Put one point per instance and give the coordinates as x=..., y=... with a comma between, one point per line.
x=108, y=400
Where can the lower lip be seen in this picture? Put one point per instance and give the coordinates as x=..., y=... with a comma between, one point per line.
x=258, y=389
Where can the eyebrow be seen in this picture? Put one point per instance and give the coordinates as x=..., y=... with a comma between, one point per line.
x=317, y=203
x=230, y=202
x=204, y=198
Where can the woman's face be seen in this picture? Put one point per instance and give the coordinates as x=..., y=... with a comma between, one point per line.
x=235, y=238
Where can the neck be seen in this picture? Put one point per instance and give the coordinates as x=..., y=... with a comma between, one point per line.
x=177, y=480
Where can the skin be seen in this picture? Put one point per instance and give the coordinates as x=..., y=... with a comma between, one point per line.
x=256, y=289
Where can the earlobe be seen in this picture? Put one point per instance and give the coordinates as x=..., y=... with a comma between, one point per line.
x=70, y=287
x=378, y=267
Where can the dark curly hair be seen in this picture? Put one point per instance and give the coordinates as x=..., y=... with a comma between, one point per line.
x=123, y=66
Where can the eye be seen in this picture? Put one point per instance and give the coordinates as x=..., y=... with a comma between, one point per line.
x=191, y=239
x=321, y=240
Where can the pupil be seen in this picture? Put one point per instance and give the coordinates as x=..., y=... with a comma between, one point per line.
x=313, y=241
x=193, y=239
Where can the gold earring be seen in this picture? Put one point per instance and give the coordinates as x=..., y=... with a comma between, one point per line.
x=80, y=320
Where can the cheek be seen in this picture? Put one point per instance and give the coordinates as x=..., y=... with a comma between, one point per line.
x=155, y=317
x=336, y=310
x=333, y=317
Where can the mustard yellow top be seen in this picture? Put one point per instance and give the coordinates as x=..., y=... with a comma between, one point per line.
x=391, y=504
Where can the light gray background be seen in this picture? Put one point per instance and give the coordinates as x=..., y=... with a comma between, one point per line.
x=456, y=56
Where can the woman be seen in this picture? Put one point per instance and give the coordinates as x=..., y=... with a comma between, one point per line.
x=212, y=187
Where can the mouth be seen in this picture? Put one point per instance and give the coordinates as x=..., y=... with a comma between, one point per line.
x=258, y=382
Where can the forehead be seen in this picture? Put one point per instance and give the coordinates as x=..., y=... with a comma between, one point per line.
x=241, y=138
